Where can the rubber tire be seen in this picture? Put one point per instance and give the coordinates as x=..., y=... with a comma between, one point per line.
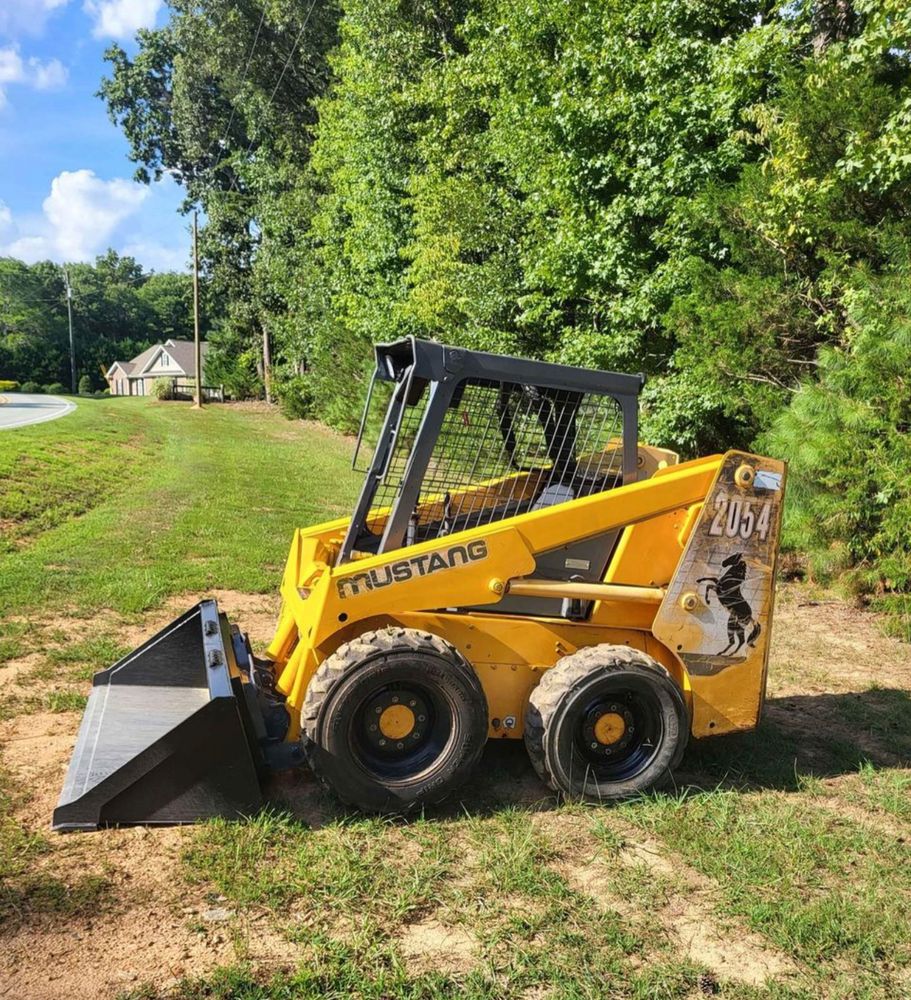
x=339, y=687
x=578, y=676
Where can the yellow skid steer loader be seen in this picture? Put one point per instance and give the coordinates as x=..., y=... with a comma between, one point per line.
x=517, y=566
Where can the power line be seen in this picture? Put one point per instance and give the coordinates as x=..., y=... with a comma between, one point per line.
x=281, y=77
x=243, y=77
x=300, y=35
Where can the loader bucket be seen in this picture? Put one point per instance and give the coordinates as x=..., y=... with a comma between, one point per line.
x=166, y=736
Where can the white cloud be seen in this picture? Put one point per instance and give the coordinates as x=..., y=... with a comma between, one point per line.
x=6, y=217
x=121, y=18
x=81, y=214
x=157, y=256
x=12, y=69
x=26, y=17
x=48, y=75
x=31, y=73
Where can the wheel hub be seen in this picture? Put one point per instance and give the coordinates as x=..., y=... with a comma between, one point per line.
x=609, y=728
x=396, y=721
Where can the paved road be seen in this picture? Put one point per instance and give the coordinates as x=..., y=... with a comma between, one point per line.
x=19, y=408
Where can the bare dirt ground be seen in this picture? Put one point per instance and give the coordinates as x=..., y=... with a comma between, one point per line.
x=148, y=924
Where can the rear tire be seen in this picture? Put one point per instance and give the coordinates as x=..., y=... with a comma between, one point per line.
x=606, y=723
x=394, y=720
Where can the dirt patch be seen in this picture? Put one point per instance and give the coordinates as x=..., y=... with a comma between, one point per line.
x=35, y=749
x=148, y=925
x=730, y=951
x=815, y=722
x=876, y=822
x=432, y=946
x=684, y=906
x=151, y=926
x=143, y=937
x=592, y=878
x=830, y=646
x=250, y=406
x=15, y=671
x=254, y=613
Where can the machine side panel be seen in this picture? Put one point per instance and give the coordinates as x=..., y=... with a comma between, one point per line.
x=717, y=613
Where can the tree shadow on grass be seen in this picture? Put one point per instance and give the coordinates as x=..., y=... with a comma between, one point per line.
x=821, y=735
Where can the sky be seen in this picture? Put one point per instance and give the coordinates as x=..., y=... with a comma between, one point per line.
x=66, y=181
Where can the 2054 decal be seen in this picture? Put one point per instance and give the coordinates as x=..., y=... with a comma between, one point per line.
x=737, y=518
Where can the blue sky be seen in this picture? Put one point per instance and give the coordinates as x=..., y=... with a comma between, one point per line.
x=66, y=188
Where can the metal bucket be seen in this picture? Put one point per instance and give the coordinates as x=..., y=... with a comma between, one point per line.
x=167, y=735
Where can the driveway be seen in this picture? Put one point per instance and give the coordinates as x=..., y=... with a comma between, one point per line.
x=20, y=408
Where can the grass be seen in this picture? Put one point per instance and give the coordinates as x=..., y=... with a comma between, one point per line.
x=125, y=502
x=802, y=837
x=815, y=883
x=365, y=880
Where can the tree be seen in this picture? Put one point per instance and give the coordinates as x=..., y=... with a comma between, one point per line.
x=33, y=330
x=221, y=98
x=118, y=311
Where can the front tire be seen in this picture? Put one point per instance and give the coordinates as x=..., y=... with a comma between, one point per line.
x=605, y=723
x=394, y=720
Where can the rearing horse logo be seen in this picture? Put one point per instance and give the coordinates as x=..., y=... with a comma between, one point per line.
x=727, y=587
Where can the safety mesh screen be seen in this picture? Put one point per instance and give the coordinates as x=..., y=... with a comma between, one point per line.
x=504, y=449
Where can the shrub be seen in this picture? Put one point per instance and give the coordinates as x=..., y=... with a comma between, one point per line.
x=55, y=389
x=295, y=397
x=846, y=437
x=85, y=386
x=30, y=387
x=8, y=385
x=162, y=388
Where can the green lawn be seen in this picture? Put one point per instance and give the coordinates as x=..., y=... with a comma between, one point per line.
x=787, y=850
x=127, y=501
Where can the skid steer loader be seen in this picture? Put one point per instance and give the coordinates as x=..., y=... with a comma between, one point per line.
x=517, y=566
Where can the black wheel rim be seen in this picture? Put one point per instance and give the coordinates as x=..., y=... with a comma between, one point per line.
x=617, y=752
x=392, y=746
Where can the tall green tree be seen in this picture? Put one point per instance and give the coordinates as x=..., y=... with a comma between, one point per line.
x=220, y=98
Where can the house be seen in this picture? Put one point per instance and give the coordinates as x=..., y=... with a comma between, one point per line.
x=174, y=359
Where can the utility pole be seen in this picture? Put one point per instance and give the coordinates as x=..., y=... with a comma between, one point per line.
x=267, y=364
x=69, y=313
x=198, y=403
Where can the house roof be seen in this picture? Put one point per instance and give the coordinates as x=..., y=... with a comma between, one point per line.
x=141, y=360
x=183, y=353
x=125, y=366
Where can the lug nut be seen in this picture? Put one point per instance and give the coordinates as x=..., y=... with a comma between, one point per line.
x=594, y=746
x=382, y=743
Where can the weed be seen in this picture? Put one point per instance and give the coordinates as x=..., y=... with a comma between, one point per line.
x=65, y=701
